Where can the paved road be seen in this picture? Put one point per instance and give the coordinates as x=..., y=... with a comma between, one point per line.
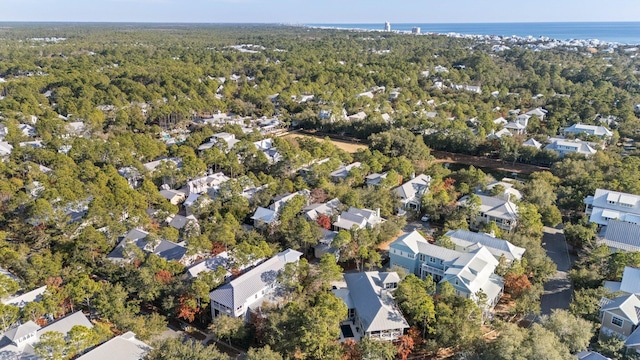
x=558, y=290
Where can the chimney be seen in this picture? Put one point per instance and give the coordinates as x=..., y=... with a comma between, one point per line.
x=413, y=175
x=378, y=212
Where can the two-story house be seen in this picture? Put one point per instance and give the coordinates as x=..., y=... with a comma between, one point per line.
x=494, y=209
x=372, y=311
x=246, y=292
x=411, y=192
x=620, y=317
x=467, y=241
x=563, y=147
x=468, y=273
x=579, y=128
x=262, y=217
x=620, y=236
x=607, y=205
x=343, y=171
x=358, y=218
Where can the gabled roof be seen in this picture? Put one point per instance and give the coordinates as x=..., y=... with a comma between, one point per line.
x=498, y=247
x=264, y=215
x=22, y=300
x=627, y=307
x=165, y=249
x=496, y=207
x=20, y=331
x=577, y=146
x=179, y=221
x=608, y=204
x=375, y=307
x=474, y=271
x=409, y=189
x=589, y=129
x=417, y=244
x=123, y=347
x=236, y=292
x=344, y=170
x=591, y=355
x=532, y=143
x=630, y=280
x=539, y=112
x=63, y=325
x=314, y=210
x=621, y=235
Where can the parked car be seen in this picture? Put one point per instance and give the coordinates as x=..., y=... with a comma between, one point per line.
x=425, y=218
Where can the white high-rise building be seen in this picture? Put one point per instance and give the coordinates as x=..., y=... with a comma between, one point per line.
x=415, y=30
x=387, y=26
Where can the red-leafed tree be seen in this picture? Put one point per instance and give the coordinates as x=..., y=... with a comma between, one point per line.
x=350, y=350
x=324, y=221
x=163, y=276
x=187, y=308
x=405, y=345
x=516, y=284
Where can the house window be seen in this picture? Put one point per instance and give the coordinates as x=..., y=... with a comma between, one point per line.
x=432, y=260
x=616, y=321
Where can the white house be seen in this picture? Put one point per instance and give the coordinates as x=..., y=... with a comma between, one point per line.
x=229, y=139
x=620, y=236
x=630, y=283
x=468, y=241
x=360, y=218
x=265, y=216
x=494, y=209
x=121, y=347
x=576, y=146
x=606, y=204
x=411, y=192
x=246, y=292
x=372, y=309
x=467, y=272
x=532, y=143
x=579, y=128
x=343, y=171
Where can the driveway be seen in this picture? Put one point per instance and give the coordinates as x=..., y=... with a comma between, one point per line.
x=558, y=290
x=419, y=225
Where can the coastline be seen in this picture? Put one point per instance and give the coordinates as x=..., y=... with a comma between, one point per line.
x=492, y=31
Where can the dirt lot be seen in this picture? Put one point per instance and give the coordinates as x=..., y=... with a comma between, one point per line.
x=483, y=162
x=346, y=146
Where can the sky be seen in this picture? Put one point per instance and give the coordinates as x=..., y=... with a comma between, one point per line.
x=320, y=11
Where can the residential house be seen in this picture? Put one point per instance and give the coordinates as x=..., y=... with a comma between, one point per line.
x=165, y=249
x=500, y=121
x=532, y=143
x=359, y=116
x=153, y=165
x=579, y=128
x=311, y=212
x=209, y=184
x=23, y=299
x=620, y=236
x=360, y=218
x=174, y=196
x=411, y=192
x=494, y=135
x=605, y=205
x=121, y=347
x=269, y=150
x=591, y=355
x=179, y=222
x=246, y=292
x=630, y=283
x=468, y=241
x=18, y=342
x=620, y=317
x=507, y=185
x=324, y=245
x=523, y=119
x=5, y=148
x=516, y=128
x=576, y=146
x=372, y=311
x=223, y=260
x=375, y=179
x=132, y=175
x=494, y=209
x=539, y=112
x=265, y=216
x=27, y=130
x=343, y=171
x=468, y=273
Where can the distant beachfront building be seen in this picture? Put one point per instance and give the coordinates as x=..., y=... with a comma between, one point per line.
x=415, y=30
x=387, y=26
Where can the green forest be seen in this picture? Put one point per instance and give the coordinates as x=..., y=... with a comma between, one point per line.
x=86, y=108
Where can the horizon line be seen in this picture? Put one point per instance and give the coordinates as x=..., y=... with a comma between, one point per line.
x=302, y=23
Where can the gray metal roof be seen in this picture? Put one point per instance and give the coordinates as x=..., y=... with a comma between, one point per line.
x=238, y=290
x=470, y=241
x=621, y=235
x=375, y=306
x=65, y=324
x=123, y=347
x=627, y=306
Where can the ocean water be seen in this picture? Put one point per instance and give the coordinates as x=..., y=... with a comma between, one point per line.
x=620, y=32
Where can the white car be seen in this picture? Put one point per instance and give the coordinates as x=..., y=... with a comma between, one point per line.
x=425, y=218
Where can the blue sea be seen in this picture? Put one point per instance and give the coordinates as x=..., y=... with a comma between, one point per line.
x=620, y=32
